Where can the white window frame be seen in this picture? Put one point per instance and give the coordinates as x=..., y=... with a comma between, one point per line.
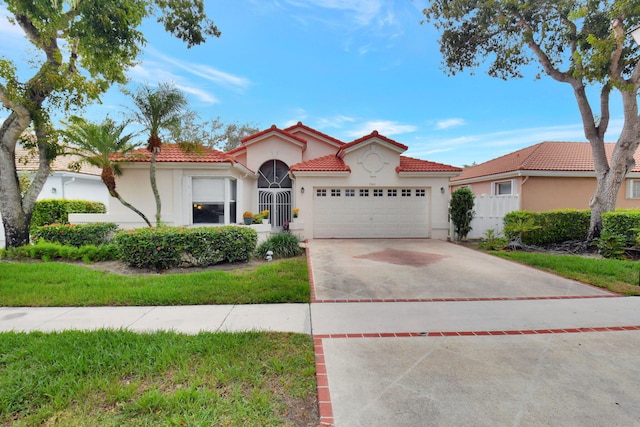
x=226, y=198
x=495, y=184
x=631, y=183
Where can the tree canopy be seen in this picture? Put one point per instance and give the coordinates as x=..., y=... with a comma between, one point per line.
x=212, y=133
x=581, y=43
x=85, y=46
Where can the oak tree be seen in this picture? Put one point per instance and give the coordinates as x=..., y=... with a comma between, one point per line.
x=84, y=47
x=581, y=43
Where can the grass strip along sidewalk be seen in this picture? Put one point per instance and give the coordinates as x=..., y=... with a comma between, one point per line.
x=115, y=378
x=49, y=284
x=622, y=277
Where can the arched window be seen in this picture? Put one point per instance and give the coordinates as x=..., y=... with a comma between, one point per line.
x=274, y=174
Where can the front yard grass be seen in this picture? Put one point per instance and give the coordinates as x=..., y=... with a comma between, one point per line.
x=622, y=277
x=114, y=378
x=47, y=284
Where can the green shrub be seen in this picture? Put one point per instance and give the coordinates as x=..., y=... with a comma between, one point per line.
x=48, y=251
x=56, y=211
x=76, y=235
x=169, y=247
x=543, y=228
x=625, y=223
x=611, y=245
x=492, y=241
x=461, y=212
x=283, y=245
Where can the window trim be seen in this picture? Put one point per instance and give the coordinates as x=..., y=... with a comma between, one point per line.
x=230, y=195
x=630, y=184
x=495, y=184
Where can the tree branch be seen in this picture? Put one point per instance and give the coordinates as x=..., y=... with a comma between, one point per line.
x=604, y=110
x=615, y=67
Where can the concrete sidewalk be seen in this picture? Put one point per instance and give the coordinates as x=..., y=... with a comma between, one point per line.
x=336, y=318
x=186, y=319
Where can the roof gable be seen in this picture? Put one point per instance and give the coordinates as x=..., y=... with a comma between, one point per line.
x=300, y=128
x=544, y=156
x=273, y=130
x=369, y=139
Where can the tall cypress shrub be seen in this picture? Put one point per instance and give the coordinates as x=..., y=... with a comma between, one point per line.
x=461, y=212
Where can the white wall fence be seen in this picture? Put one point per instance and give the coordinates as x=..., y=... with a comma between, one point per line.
x=490, y=212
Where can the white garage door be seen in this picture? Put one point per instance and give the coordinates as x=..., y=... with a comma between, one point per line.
x=371, y=212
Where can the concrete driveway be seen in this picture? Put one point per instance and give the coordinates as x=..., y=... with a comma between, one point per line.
x=388, y=269
x=427, y=333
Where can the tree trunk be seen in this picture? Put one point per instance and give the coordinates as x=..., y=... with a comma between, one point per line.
x=16, y=211
x=603, y=200
x=611, y=175
x=154, y=186
x=133, y=208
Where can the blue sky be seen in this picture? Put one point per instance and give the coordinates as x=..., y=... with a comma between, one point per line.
x=346, y=68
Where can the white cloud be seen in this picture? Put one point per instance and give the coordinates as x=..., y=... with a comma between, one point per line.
x=335, y=121
x=449, y=123
x=204, y=71
x=152, y=73
x=202, y=95
x=386, y=128
x=482, y=147
x=365, y=11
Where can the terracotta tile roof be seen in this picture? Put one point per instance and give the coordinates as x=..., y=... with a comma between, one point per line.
x=299, y=125
x=275, y=129
x=175, y=153
x=27, y=160
x=409, y=164
x=373, y=134
x=329, y=163
x=544, y=156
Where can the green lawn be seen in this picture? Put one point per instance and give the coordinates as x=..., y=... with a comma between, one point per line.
x=115, y=378
x=618, y=276
x=39, y=284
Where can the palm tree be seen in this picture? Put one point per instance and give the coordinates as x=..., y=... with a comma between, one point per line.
x=96, y=143
x=158, y=109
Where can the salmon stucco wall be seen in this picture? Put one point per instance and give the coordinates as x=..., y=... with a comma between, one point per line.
x=547, y=193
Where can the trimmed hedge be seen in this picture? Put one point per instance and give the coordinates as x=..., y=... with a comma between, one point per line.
x=556, y=226
x=48, y=251
x=56, y=211
x=76, y=235
x=624, y=223
x=170, y=247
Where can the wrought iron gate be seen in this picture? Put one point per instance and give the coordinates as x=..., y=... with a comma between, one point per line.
x=278, y=202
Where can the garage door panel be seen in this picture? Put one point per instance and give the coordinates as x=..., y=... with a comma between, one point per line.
x=390, y=213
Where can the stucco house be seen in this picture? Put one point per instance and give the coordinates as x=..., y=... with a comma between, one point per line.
x=546, y=176
x=364, y=188
x=64, y=182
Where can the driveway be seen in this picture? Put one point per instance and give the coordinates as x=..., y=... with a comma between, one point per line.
x=387, y=269
x=428, y=333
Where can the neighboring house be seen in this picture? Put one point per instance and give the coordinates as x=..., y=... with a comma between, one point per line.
x=542, y=177
x=63, y=182
x=364, y=188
